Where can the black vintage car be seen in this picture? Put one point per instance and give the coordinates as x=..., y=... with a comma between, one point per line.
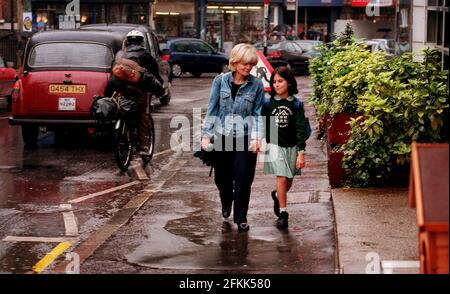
x=150, y=43
x=286, y=53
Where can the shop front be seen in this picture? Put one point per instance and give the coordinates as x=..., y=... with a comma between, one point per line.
x=315, y=18
x=175, y=18
x=52, y=14
x=375, y=22
x=232, y=22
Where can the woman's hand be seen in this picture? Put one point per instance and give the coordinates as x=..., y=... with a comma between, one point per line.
x=205, y=143
x=255, y=145
x=300, y=163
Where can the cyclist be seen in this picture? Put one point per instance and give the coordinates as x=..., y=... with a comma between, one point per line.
x=150, y=81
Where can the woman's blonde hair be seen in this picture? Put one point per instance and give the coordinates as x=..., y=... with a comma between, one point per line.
x=244, y=53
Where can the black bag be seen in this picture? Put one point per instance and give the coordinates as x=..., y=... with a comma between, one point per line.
x=104, y=108
x=206, y=157
x=109, y=108
x=127, y=106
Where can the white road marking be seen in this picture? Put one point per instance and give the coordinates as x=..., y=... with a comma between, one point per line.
x=140, y=172
x=38, y=239
x=6, y=167
x=79, y=199
x=70, y=222
x=162, y=152
x=100, y=236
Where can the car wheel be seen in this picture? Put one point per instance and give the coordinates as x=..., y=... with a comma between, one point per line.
x=30, y=136
x=176, y=70
x=196, y=74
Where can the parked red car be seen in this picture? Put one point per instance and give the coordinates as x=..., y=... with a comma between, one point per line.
x=62, y=72
x=7, y=79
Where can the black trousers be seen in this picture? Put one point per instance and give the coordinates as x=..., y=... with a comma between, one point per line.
x=234, y=174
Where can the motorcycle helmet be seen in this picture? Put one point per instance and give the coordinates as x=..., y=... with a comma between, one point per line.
x=135, y=37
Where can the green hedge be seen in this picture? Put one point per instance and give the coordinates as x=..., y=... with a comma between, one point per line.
x=400, y=100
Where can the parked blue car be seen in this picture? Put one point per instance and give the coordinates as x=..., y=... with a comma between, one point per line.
x=194, y=56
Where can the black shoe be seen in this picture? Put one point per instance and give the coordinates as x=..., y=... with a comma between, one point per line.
x=282, y=221
x=276, y=203
x=226, y=212
x=243, y=227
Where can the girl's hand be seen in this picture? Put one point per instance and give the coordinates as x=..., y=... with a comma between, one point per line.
x=300, y=163
x=205, y=143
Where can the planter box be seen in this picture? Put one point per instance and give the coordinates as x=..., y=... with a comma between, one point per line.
x=336, y=173
x=338, y=131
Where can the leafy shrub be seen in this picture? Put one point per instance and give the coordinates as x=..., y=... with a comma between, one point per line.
x=400, y=100
x=407, y=101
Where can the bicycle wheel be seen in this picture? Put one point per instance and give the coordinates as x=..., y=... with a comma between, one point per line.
x=151, y=141
x=123, y=147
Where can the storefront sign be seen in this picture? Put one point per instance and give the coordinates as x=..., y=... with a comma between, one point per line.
x=374, y=3
x=319, y=3
x=290, y=4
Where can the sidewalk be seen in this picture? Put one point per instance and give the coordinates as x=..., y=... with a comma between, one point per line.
x=375, y=225
x=372, y=225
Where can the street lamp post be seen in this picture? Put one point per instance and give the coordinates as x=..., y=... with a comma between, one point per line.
x=296, y=18
x=266, y=25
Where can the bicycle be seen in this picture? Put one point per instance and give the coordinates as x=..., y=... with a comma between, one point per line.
x=126, y=139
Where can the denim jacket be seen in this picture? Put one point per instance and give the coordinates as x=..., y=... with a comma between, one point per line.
x=241, y=117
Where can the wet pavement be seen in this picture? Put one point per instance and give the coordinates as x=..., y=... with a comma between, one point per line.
x=179, y=229
x=34, y=183
x=169, y=224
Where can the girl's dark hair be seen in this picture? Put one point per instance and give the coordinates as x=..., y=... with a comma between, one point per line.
x=287, y=74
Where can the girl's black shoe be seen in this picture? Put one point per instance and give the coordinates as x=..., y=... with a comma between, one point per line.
x=276, y=203
x=282, y=221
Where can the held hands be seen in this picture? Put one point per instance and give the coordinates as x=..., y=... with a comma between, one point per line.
x=255, y=145
x=300, y=163
x=205, y=143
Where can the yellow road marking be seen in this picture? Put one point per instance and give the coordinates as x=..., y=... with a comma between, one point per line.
x=50, y=257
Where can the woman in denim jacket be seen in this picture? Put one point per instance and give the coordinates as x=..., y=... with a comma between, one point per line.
x=233, y=121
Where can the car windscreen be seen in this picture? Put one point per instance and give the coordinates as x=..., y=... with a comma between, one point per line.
x=71, y=55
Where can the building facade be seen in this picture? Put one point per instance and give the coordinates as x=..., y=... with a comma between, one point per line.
x=52, y=14
x=429, y=26
x=316, y=18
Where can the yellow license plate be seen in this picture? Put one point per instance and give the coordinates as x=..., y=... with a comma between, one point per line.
x=67, y=89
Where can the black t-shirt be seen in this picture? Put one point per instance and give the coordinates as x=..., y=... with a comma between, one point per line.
x=234, y=90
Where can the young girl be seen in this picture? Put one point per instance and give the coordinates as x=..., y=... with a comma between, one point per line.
x=286, y=154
